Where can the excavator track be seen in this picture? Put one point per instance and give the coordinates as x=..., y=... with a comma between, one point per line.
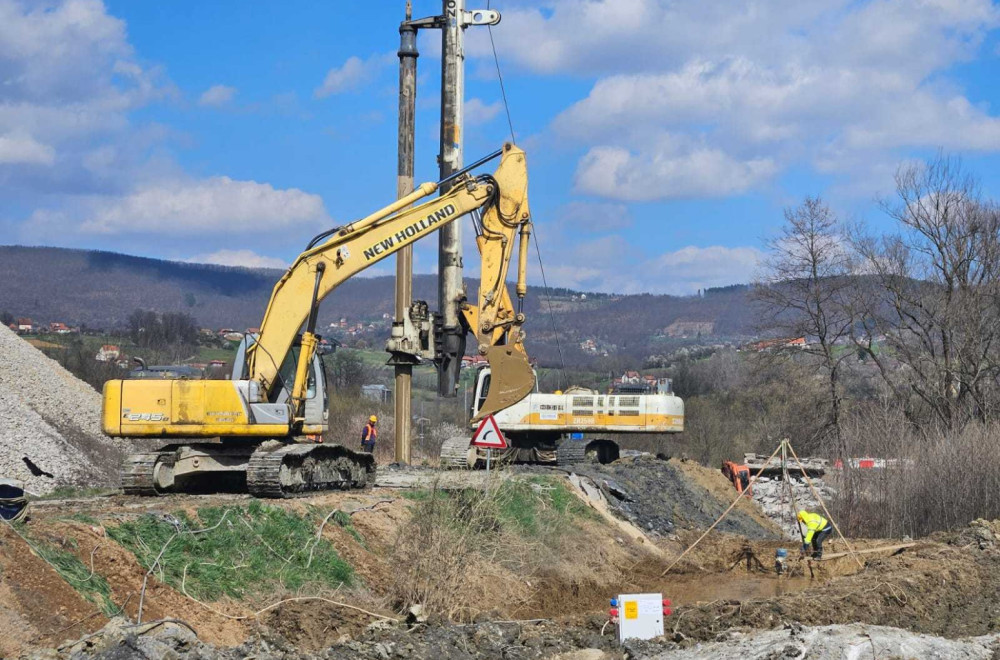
x=571, y=452
x=300, y=469
x=139, y=472
x=456, y=453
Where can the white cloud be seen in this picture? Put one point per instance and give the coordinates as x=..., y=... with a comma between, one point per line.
x=686, y=93
x=209, y=206
x=654, y=174
x=610, y=264
x=352, y=74
x=244, y=258
x=217, y=95
x=25, y=150
x=70, y=79
x=477, y=112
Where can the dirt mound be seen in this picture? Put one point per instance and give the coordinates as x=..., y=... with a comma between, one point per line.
x=662, y=497
x=578, y=640
x=53, y=419
x=930, y=588
x=37, y=607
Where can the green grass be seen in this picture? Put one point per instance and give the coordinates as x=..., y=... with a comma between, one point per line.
x=340, y=519
x=255, y=550
x=84, y=518
x=536, y=505
x=207, y=354
x=92, y=587
x=528, y=507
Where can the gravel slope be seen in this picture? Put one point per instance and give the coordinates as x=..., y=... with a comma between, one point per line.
x=53, y=419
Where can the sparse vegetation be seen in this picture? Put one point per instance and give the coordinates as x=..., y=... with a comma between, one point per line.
x=458, y=543
x=239, y=552
x=92, y=586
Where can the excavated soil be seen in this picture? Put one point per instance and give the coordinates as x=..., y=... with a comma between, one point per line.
x=664, y=497
x=947, y=586
x=37, y=607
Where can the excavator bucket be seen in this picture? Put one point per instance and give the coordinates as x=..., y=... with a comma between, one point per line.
x=512, y=379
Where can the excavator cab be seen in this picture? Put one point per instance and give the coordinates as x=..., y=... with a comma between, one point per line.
x=316, y=410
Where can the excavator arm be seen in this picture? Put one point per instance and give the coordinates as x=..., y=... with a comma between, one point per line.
x=502, y=198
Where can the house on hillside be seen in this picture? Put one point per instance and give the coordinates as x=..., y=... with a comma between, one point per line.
x=24, y=326
x=108, y=353
x=632, y=382
x=59, y=328
x=630, y=378
x=773, y=344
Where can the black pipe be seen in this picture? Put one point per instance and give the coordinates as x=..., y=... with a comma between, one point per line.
x=314, y=309
x=455, y=175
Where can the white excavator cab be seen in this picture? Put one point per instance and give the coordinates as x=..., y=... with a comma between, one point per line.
x=316, y=410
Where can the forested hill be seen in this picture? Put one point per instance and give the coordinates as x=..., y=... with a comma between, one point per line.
x=101, y=289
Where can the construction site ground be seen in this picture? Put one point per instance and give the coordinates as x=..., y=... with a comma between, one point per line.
x=937, y=592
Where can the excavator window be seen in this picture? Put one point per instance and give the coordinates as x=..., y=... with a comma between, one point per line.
x=287, y=373
x=484, y=389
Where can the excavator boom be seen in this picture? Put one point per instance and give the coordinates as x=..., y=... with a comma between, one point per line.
x=277, y=390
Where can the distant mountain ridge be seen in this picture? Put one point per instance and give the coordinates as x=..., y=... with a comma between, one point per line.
x=100, y=289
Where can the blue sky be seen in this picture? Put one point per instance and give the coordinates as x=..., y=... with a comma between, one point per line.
x=664, y=138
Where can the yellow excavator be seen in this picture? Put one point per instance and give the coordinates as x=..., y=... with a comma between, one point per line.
x=261, y=421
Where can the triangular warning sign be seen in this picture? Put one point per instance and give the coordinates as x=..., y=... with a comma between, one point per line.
x=488, y=435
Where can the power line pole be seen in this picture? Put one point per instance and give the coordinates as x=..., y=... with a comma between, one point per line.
x=412, y=319
x=404, y=258
x=450, y=285
x=450, y=161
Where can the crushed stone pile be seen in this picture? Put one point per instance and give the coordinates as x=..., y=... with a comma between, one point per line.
x=52, y=419
x=661, y=497
x=839, y=641
x=772, y=496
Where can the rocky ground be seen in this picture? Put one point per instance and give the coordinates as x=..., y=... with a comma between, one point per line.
x=51, y=418
x=664, y=497
x=774, y=499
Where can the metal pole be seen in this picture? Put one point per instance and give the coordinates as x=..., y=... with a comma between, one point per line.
x=404, y=258
x=450, y=161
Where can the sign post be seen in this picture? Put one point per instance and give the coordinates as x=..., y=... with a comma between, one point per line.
x=489, y=437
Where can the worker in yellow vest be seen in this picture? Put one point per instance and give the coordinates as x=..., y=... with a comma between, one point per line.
x=817, y=529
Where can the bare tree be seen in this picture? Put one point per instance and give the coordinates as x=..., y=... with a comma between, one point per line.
x=934, y=296
x=802, y=292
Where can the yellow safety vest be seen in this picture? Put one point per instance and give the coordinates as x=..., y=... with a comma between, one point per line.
x=814, y=523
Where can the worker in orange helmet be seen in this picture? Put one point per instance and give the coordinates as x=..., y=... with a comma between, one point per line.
x=368, y=435
x=817, y=529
